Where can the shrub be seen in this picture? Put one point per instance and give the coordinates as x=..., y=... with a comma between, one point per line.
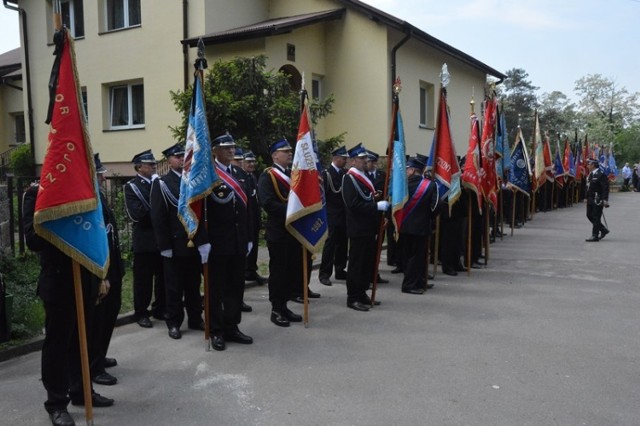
x=21, y=161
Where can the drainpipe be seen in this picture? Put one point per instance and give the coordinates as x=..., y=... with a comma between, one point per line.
x=185, y=47
x=393, y=55
x=27, y=71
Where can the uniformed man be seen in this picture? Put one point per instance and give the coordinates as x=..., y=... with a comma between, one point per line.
x=181, y=261
x=334, y=251
x=416, y=225
x=285, y=252
x=249, y=166
x=362, y=215
x=147, y=263
x=378, y=178
x=108, y=308
x=597, y=198
x=229, y=229
x=61, y=366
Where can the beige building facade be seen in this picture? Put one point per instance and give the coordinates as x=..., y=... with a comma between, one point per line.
x=132, y=53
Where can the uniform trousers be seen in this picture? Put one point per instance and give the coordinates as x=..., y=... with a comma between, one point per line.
x=61, y=368
x=359, y=271
x=414, y=254
x=182, y=280
x=334, y=252
x=285, y=271
x=104, y=321
x=148, y=280
x=251, y=268
x=226, y=290
x=594, y=214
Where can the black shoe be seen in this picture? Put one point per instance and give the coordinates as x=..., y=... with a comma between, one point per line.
x=104, y=379
x=366, y=300
x=382, y=280
x=238, y=337
x=326, y=281
x=358, y=306
x=313, y=294
x=246, y=308
x=397, y=270
x=429, y=286
x=340, y=275
x=217, y=342
x=412, y=290
x=297, y=299
x=451, y=272
x=145, y=322
x=174, y=333
x=197, y=326
x=592, y=239
x=61, y=418
x=97, y=400
x=279, y=319
x=603, y=233
x=110, y=362
x=291, y=316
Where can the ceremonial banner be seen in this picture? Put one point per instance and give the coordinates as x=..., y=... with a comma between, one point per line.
x=306, y=214
x=520, y=173
x=558, y=168
x=472, y=167
x=548, y=161
x=199, y=177
x=613, y=168
x=503, y=152
x=578, y=167
x=442, y=158
x=398, y=185
x=68, y=211
x=567, y=161
x=487, y=150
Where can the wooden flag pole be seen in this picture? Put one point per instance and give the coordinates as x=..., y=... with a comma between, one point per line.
x=82, y=337
x=469, y=231
x=305, y=289
x=513, y=211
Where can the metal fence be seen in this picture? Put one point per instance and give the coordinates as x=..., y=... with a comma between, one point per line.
x=113, y=190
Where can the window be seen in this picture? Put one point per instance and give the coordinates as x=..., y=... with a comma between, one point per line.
x=122, y=14
x=427, y=105
x=85, y=105
x=316, y=87
x=126, y=106
x=20, y=133
x=72, y=17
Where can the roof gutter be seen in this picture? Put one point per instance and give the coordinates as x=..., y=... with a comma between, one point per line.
x=13, y=5
x=394, y=51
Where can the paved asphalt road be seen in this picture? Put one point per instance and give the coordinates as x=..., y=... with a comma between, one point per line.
x=548, y=334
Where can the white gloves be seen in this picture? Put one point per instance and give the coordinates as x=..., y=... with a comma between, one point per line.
x=249, y=247
x=383, y=206
x=167, y=253
x=204, y=252
x=154, y=177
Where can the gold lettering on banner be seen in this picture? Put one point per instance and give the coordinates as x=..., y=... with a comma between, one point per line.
x=61, y=168
x=64, y=110
x=59, y=97
x=317, y=225
x=66, y=157
x=50, y=177
x=71, y=146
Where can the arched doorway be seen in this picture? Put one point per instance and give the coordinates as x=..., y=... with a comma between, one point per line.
x=295, y=78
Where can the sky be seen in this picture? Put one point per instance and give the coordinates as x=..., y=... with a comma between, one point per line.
x=555, y=41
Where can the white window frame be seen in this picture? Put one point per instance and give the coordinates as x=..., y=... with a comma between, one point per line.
x=316, y=79
x=130, y=107
x=426, y=99
x=125, y=18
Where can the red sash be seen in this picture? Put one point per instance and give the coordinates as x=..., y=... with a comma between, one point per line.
x=363, y=180
x=232, y=183
x=282, y=178
x=416, y=197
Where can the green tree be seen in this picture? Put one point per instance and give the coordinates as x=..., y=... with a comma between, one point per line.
x=255, y=105
x=627, y=145
x=606, y=109
x=557, y=114
x=519, y=101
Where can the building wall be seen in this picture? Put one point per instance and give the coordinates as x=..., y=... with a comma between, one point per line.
x=11, y=103
x=151, y=52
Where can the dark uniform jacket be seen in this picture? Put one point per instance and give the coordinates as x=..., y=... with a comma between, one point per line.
x=228, y=220
x=167, y=227
x=361, y=208
x=377, y=178
x=116, y=264
x=55, y=282
x=597, y=187
x=137, y=199
x=273, y=195
x=417, y=220
x=332, y=182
